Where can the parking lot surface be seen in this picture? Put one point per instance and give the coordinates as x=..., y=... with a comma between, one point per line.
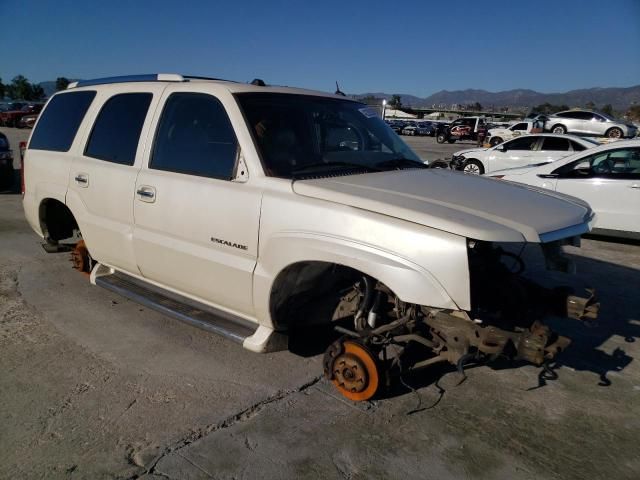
x=95, y=386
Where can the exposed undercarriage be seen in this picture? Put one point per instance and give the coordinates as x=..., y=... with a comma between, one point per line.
x=390, y=337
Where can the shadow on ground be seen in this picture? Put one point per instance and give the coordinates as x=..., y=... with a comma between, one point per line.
x=619, y=317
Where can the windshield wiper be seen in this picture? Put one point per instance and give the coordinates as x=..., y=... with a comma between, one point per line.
x=318, y=165
x=401, y=162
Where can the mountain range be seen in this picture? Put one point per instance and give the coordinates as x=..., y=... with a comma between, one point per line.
x=619, y=98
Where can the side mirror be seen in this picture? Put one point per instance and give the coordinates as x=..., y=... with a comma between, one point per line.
x=501, y=148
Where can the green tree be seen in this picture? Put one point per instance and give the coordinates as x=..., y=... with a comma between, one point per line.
x=2, y=89
x=19, y=88
x=477, y=107
x=396, y=101
x=37, y=92
x=61, y=83
x=608, y=109
x=590, y=105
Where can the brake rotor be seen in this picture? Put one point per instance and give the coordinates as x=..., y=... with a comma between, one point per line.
x=355, y=372
x=80, y=258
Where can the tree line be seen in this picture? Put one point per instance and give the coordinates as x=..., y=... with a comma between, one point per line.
x=21, y=88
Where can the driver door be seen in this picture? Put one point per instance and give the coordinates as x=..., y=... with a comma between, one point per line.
x=514, y=153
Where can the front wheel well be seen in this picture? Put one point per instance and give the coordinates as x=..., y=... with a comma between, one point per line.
x=308, y=293
x=56, y=220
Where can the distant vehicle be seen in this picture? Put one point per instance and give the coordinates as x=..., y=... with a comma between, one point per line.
x=607, y=177
x=28, y=121
x=518, y=152
x=499, y=135
x=6, y=163
x=11, y=118
x=587, y=122
x=419, y=129
x=396, y=125
x=467, y=128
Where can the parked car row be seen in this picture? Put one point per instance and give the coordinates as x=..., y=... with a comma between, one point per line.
x=12, y=115
x=413, y=127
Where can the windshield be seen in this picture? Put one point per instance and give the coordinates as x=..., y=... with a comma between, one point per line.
x=318, y=135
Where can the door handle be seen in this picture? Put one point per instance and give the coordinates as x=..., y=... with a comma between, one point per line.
x=147, y=194
x=82, y=179
x=635, y=185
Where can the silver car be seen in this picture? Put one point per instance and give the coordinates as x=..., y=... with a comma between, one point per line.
x=586, y=122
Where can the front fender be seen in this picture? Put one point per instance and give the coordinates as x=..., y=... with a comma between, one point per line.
x=408, y=280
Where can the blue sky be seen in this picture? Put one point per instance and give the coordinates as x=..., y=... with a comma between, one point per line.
x=414, y=47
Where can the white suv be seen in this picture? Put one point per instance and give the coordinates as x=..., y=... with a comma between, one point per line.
x=250, y=210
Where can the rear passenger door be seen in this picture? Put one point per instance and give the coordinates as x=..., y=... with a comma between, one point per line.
x=103, y=176
x=196, y=217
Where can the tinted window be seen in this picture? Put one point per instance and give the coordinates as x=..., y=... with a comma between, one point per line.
x=519, y=126
x=553, y=143
x=117, y=129
x=4, y=144
x=59, y=122
x=577, y=147
x=522, y=143
x=195, y=137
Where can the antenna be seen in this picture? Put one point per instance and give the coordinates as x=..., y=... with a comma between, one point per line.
x=338, y=91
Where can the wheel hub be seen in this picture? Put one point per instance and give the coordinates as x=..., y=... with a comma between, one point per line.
x=350, y=373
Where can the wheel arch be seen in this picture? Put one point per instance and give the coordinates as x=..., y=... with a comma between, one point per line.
x=286, y=255
x=56, y=219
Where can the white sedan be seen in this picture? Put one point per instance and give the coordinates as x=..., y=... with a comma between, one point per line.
x=521, y=151
x=607, y=177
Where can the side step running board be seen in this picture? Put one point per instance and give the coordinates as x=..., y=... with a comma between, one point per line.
x=176, y=306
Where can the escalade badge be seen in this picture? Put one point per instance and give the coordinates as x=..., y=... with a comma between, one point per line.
x=229, y=244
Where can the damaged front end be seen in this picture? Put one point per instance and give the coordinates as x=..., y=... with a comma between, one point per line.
x=390, y=337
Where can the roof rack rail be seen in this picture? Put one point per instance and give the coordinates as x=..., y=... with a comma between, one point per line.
x=152, y=77
x=198, y=77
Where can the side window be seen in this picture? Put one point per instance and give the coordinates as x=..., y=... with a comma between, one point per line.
x=60, y=121
x=522, y=143
x=116, y=132
x=554, y=143
x=519, y=126
x=195, y=137
x=622, y=164
x=577, y=147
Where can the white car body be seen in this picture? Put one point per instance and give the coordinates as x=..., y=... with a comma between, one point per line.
x=499, y=135
x=612, y=189
x=518, y=152
x=228, y=243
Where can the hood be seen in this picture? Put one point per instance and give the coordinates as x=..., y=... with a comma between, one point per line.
x=469, y=150
x=468, y=205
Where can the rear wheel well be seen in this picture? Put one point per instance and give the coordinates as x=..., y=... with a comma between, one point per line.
x=56, y=220
x=308, y=293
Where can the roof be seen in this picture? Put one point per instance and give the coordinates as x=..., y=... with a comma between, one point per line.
x=232, y=86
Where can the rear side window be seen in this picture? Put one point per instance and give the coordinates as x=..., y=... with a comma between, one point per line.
x=557, y=144
x=116, y=133
x=59, y=122
x=195, y=137
x=577, y=147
